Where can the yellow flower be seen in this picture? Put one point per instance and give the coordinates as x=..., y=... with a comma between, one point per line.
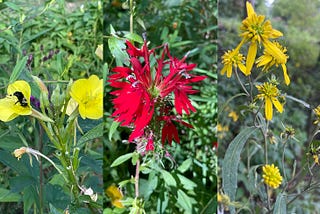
x=317, y=112
x=269, y=93
x=316, y=159
x=267, y=60
x=115, y=195
x=19, y=152
x=17, y=101
x=256, y=30
x=271, y=176
x=235, y=59
x=88, y=93
x=233, y=115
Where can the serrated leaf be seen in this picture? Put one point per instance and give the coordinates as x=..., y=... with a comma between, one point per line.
x=168, y=178
x=280, y=206
x=121, y=159
x=8, y=196
x=113, y=128
x=117, y=48
x=21, y=64
x=231, y=162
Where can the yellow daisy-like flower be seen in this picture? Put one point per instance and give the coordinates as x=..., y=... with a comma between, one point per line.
x=271, y=176
x=256, y=30
x=269, y=93
x=267, y=60
x=88, y=93
x=115, y=195
x=17, y=101
x=317, y=113
x=232, y=59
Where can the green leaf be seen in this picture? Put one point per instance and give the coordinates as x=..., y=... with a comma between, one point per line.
x=231, y=162
x=185, y=165
x=185, y=201
x=105, y=72
x=113, y=129
x=187, y=183
x=8, y=196
x=117, y=48
x=54, y=210
x=92, y=134
x=280, y=206
x=135, y=158
x=134, y=37
x=21, y=64
x=12, y=6
x=121, y=159
x=168, y=178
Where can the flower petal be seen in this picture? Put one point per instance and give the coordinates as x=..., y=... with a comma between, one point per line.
x=268, y=108
x=252, y=52
x=285, y=74
x=277, y=104
x=250, y=10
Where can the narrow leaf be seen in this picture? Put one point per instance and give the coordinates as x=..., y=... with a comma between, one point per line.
x=121, y=159
x=231, y=162
x=18, y=69
x=281, y=204
x=113, y=129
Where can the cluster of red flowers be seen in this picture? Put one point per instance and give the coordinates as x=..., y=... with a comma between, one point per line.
x=145, y=91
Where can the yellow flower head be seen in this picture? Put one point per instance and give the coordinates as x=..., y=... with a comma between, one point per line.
x=19, y=152
x=17, y=101
x=267, y=60
x=269, y=93
x=232, y=58
x=271, y=176
x=115, y=195
x=256, y=30
x=234, y=116
x=88, y=93
x=317, y=113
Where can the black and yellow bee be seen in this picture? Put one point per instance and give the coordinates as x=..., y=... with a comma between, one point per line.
x=21, y=99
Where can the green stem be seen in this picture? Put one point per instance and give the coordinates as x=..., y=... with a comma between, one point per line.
x=131, y=16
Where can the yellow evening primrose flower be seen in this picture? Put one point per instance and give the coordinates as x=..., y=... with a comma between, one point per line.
x=271, y=176
x=115, y=195
x=19, y=152
x=256, y=30
x=267, y=60
x=88, y=93
x=17, y=101
x=269, y=93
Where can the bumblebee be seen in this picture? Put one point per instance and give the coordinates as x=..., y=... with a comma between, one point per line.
x=21, y=99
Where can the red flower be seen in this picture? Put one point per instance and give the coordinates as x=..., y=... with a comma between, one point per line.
x=142, y=89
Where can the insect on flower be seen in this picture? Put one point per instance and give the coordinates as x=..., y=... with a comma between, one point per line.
x=21, y=99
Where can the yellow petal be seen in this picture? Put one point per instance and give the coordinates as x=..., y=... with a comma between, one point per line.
x=243, y=69
x=250, y=10
x=277, y=104
x=268, y=108
x=275, y=34
x=229, y=70
x=223, y=71
x=285, y=74
x=252, y=52
x=275, y=51
x=88, y=93
x=21, y=86
x=6, y=111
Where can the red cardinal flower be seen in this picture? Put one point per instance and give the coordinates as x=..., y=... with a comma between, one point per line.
x=146, y=86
